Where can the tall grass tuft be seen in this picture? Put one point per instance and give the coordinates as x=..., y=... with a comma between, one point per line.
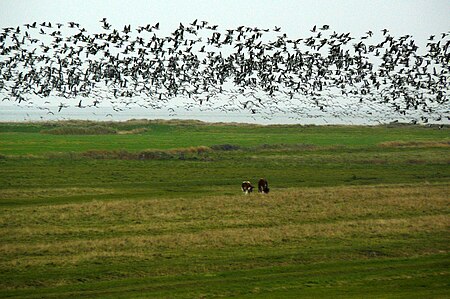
x=94, y=130
x=225, y=147
x=421, y=144
x=133, y=131
x=189, y=153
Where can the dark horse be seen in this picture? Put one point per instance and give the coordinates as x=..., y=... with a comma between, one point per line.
x=263, y=186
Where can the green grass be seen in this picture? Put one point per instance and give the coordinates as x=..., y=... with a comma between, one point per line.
x=353, y=211
x=31, y=139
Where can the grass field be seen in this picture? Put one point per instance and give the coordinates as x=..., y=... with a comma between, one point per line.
x=153, y=209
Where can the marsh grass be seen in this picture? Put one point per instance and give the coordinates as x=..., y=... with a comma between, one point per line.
x=417, y=144
x=133, y=131
x=93, y=130
x=158, y=211
x=139, y=135
x=381, y=222
x=193, y=152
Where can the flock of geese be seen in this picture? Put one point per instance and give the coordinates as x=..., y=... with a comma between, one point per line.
x=245, y=68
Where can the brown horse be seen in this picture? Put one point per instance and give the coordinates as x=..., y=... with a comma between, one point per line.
x=263, y=186
x=246, y=187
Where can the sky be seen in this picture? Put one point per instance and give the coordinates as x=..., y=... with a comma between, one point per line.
x=419, y=18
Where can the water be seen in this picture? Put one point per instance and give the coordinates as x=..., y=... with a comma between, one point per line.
x=14, y=113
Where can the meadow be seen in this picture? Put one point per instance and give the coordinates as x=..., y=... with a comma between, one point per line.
x=153, y=209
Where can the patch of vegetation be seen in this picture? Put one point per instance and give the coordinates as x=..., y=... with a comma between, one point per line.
x=353, y=212
x=295, y=241
x=416, y=144
x=225, y=147
x=190, y=153
x=25, y=138
x=133, y=131
x=94, y=130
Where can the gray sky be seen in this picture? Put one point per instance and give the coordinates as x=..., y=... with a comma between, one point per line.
x=419, y=18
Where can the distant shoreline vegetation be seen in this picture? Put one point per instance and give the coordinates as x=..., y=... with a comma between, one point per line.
x=142, y=126
x=82, y=123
